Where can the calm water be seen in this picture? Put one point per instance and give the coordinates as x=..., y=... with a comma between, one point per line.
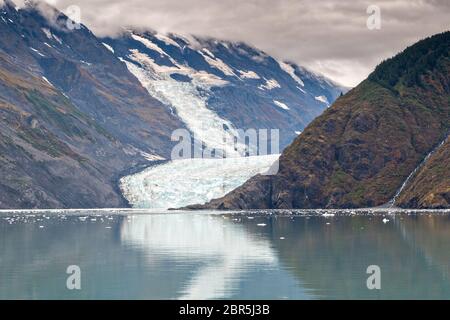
x=129, y=255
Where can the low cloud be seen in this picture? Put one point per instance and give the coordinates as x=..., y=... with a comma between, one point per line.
x=328, y=36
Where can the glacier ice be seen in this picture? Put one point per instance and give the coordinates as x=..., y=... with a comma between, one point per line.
x=189, y=181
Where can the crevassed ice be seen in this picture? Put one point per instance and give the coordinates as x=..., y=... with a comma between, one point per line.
x=188, y=98
x=190, y=181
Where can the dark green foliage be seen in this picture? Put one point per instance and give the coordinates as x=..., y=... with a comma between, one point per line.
x=415, y=61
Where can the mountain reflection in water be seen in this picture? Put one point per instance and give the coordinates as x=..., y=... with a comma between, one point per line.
x=202, y=255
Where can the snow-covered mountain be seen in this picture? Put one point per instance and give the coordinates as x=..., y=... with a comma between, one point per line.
x=214, y=85
x=77, y=112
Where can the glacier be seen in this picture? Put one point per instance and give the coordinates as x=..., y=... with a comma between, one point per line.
x=209, y=70
x=189, y=99
x=183, y=182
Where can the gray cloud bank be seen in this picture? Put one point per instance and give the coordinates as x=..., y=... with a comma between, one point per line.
x=328, y=36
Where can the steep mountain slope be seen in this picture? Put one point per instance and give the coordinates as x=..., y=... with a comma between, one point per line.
x=430, y=186
x=77, y=112
x=72, y=116
x=240, y=87
x=359, y=152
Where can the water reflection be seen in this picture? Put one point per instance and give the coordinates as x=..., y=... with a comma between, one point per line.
x=204, y=256
x=412, y=252
x=225, y=249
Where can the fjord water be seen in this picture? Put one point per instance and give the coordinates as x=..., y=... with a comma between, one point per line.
x=208, y=255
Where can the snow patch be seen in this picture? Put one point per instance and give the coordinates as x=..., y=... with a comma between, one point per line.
x=209, y=53
x=281, y=105
x=47, y=33
x=189, y=99
x=167, y=40
x=50, y=35
x=37, y=51
x=270, y=84
x=46, y=80
x=151, y=45
x=322, y=99
x=107, y=46
x=248, y=75
x=289, y=69
x=218, y=64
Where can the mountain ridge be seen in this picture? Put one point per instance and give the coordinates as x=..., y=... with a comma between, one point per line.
x=359, y=151
x=74, y=118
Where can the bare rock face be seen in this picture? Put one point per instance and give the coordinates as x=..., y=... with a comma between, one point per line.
x=72, y=117
x=360, y=151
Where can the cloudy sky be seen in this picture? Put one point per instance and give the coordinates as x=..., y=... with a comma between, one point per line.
x=328, y=36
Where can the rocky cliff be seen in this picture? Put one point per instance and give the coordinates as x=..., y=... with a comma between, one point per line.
x=360, y=151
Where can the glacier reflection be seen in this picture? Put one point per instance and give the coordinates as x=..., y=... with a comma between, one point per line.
x=228, y=249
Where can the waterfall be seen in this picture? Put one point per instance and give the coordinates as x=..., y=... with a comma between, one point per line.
x=392, y=202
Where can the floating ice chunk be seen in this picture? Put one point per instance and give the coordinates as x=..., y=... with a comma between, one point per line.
x=328, y=215
x=261, y=224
